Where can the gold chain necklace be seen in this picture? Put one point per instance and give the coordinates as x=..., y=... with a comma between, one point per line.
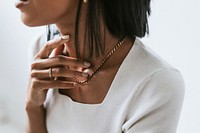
x=83, y=82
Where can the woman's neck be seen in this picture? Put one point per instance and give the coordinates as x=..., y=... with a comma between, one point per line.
x=68, y=28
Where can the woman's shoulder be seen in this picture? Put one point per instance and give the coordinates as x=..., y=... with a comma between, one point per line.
x=155, y=91
x=142, y=60
x=150, y=57
x=147, y=69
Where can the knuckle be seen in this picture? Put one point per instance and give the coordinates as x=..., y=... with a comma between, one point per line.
x=35, y=83
x=33, y=73
x=34, y=65
x=57, y=71
x=59, y=59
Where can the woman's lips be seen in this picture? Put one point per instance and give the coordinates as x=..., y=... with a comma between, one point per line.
x=20, y=3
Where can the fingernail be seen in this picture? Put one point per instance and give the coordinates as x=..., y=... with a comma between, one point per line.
x=87, y=64
x=66, y=37
x=74, y=84
x=88, y=71
x=85, y=75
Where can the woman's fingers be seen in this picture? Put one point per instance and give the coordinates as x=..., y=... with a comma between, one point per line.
x=60, y=60
x=57, y=72
x=41, y=85
x=50, y=46
x=63, y=72
x=58, y=50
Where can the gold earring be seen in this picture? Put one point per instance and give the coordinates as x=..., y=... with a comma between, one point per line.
x=85, y=1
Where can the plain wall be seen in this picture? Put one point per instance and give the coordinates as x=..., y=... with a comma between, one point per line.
x=174, y=35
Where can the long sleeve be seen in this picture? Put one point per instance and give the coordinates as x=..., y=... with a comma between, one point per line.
x=157, y=106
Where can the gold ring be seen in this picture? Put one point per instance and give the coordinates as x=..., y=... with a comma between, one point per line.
x=50, y=73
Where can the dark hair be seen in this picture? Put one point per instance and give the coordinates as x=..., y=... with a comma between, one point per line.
x=121, y=18
x=126, y=17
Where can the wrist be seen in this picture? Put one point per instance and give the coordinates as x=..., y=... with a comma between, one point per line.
x=31, y=106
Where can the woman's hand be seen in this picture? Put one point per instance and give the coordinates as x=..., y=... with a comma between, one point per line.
x=57, y=66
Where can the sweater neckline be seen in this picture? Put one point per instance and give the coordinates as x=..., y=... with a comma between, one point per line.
x=114, y=84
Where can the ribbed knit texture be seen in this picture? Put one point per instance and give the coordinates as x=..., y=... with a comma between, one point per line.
x=146, y=96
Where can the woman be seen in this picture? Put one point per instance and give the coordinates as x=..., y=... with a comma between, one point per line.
x=102, y=78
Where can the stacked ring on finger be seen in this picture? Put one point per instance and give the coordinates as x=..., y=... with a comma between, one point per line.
x=50, y=73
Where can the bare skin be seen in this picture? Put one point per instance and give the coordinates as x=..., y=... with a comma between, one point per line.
x=37, y=13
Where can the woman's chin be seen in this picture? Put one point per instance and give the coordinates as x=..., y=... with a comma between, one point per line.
x=30, y=22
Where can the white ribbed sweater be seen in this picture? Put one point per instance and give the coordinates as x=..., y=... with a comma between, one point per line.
x=146, y=96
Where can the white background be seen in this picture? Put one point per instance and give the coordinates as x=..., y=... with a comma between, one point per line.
x=174, y=35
